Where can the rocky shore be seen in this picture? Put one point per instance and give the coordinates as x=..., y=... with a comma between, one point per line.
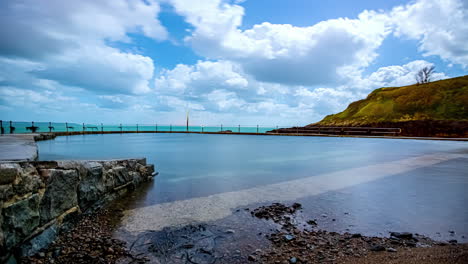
x=298, y=242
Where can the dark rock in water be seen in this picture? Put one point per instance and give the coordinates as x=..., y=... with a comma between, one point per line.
x=377, y=248
x=453, y=241
x=296, y=206
x=312, y=222
x=402, y=235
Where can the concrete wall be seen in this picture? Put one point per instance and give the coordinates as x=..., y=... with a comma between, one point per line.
x=39, y=199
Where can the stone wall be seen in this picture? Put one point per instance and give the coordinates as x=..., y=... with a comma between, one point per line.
x=39, y=199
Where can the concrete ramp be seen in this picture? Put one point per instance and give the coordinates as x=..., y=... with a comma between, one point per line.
x=19, y=147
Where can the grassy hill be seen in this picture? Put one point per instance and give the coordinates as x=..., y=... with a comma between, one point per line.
x=436, y=109
x=445, y=100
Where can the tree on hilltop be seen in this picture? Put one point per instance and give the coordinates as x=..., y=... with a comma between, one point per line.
x=424, y=75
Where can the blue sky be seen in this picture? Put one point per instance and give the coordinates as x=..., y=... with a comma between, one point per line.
x=267, y=62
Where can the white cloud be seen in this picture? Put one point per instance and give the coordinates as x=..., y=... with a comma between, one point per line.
x=440, y=26
x=284, y=53
x=203, y=77
x=69, y=42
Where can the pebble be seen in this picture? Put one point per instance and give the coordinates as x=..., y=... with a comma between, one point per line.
x=292, y=260
x=391, y=250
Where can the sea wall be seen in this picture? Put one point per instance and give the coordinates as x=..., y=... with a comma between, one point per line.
x=39, y=199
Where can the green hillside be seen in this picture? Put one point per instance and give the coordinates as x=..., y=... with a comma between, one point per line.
x=441, y=100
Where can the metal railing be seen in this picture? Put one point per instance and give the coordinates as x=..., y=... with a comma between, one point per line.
x=14, y=127
x=370, y=131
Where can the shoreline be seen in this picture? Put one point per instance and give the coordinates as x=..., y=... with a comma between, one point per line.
x=293, y=241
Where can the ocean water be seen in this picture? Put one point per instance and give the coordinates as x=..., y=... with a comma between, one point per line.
x=371, y=186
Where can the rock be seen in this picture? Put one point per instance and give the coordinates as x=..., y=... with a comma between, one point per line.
x=391, y=250
x=8, y=172
x=292, y=260
x=288, y=237
x=20, y=219
x=60, y=194
x=27, y=181
x=92, y=185
x=40, y=241
x=402, y=235
x=6, y=192
x=453, y=241
x=377, y=248
x=357, y=235
x=251, y=258
x=230, y=231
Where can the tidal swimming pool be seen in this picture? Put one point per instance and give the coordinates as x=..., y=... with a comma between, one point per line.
x=371, y=186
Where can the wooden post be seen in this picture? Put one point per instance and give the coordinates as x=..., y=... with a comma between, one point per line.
x=1, y=127
x=137, y=128
x=102, y=128
x=66, y=126
x=83, y=127
x=120, y=128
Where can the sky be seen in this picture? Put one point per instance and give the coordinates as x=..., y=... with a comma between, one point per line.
x=247, y=62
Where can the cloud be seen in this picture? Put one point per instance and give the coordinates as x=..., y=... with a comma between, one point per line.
x=203, y=77
x=282, y=53
x=440, y=26
x=68, y=40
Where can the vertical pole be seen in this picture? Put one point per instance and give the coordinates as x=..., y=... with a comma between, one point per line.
x=221, y=127
x=50, y=127
x=102, y=128
x=83, y=127
x=257, y=129
x=170, y=128
x=66, y=126
x=11, y=127
x=239, y=128
x=120, y=128
x=1, y=127
x=202, y=129
x=137, y=128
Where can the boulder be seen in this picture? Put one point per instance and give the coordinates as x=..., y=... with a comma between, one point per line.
x=20, y=219
x=8, y=172
x=92, y=185
x=60, y=194
x=6, y=192
x=27, y=181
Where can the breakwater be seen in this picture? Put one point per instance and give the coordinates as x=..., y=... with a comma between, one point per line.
x=40, y=199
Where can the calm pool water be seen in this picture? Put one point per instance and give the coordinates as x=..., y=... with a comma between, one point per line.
x=430, y=198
